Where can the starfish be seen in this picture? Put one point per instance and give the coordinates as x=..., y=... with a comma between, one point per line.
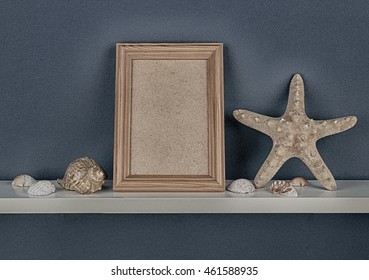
x=294, y=134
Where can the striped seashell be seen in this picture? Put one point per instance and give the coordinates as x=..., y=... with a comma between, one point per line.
x=283, y=188
x=299, y=182
x=41, y=188
x=23, y=181
x=83, y=175
x=241, y=186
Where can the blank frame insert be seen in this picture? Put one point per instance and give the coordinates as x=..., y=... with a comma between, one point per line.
x=169, y=124
x=169, y=133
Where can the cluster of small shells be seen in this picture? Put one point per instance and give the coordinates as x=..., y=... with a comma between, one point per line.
x=279, y=187
x=241, y=186
x=83, y=175
x=283, y=188
x=36, y=188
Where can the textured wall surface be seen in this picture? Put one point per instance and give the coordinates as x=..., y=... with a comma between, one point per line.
x=57, y=68
x=274, y=236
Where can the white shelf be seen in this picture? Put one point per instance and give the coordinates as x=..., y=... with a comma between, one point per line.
x=350, y=197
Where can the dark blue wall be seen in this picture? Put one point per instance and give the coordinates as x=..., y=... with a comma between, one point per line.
x=245, y=236
x=57, y=67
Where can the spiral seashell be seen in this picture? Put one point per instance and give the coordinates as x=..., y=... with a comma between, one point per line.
x=299, y=182
x=23, y=181
x=283, y=188
x=83, y=175
x=41, y=188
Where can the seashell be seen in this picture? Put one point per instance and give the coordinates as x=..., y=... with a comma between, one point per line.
x=241, y=186
x=83, y=175
x=283, y=188
x=299, y=182
x=23, y=181
x=41, y=188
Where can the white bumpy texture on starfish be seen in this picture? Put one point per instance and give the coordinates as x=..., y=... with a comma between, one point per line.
x=294, y=135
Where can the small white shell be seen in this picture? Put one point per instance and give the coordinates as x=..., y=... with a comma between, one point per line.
x=241, y=186
x=283, y=188
x=299, y=182
x=41, y=188
x=23, y=181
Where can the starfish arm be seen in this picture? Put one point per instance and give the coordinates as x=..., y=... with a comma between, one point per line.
x=334, y=126
x=320, y=170
x=296, y=97
x=276, y=158
x=256, y=121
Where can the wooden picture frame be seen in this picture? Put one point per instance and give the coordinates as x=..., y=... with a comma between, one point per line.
x=169, y=118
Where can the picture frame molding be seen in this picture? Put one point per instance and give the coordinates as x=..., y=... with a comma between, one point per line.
x=123, y=180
